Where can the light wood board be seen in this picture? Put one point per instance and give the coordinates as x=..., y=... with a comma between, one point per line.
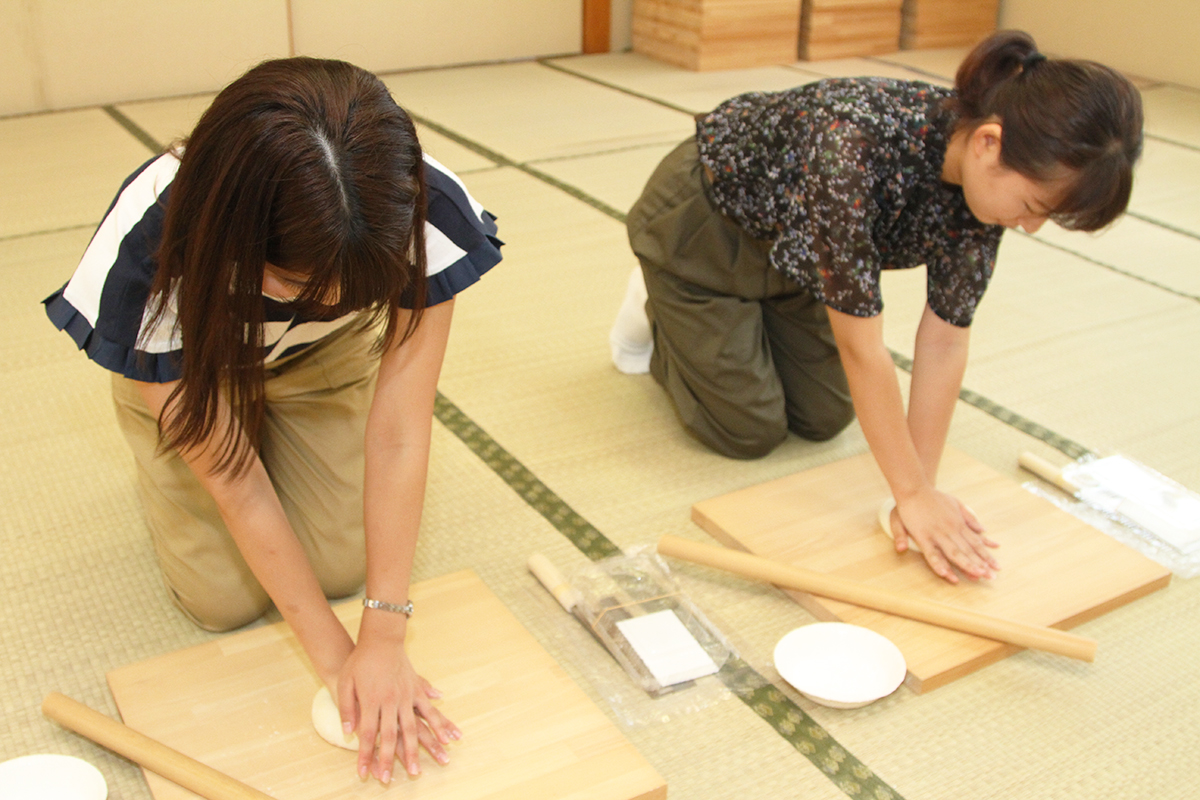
x=1055, y=570
x=241, y=704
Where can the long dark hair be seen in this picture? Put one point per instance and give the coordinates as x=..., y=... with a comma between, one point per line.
x=308, y=165
x=1056, y=113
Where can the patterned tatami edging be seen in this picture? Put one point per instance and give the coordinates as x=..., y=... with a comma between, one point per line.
x=777, y=709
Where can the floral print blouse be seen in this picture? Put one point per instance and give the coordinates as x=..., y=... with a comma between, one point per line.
x=844, y=176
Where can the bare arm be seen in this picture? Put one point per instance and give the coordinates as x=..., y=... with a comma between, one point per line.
x=938, y=367
x=378, y=690
x=907, y=449
x=255, y=518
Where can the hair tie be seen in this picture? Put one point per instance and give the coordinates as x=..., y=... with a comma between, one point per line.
x=1032, y=60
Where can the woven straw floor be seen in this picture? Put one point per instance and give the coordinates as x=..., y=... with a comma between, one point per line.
x=1084, y=343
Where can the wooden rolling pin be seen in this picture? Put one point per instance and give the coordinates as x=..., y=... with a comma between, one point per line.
x=153, y=755
x=848, y=591
x=1046, y=471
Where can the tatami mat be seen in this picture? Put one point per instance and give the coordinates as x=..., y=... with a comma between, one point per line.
x=1170, y=263
x=60, y=170
x=693, y=91
x=171, y=120
x=1074, y=336
x=939, y=62
x=167, y=121
x=526, y=111
x=1173, y=113
x=616, y=179
x=1165, y=188
x=697, y=92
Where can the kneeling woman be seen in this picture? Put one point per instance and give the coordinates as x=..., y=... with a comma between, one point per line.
x=762, y=238
x=274, y=299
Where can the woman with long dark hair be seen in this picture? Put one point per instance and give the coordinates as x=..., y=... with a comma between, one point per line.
x=274, y=298
x=761, y=240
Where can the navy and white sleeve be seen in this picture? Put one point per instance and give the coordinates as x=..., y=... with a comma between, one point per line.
x=103, y=306
x=460, y=236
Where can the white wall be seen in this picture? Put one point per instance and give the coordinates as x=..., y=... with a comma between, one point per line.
x=57, y=54
x=1157, y=39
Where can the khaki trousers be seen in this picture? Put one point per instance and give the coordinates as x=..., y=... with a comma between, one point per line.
x=745, y=353
x=312, y=448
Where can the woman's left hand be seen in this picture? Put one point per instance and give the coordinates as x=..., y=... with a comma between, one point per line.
x=383, y=699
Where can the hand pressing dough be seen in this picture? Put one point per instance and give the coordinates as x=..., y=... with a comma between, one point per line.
x=885, y=522
x=328, y=721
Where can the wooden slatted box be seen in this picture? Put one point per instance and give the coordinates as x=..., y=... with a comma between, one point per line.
x=847, y=28
x=946, y=23
x=717, y=34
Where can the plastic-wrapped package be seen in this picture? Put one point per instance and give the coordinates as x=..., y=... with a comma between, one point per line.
x=1130, y=502
x=636, y=610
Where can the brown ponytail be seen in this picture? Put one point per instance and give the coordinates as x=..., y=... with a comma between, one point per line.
x=311, y=166
x=1055, y=114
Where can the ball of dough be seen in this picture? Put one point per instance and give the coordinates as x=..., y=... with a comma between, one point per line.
x=328, y=721
x=885, y=522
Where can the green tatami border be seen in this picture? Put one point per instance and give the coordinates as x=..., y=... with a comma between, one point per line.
x=790, y=721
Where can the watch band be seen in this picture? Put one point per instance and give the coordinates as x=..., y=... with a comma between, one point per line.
x=406, y=609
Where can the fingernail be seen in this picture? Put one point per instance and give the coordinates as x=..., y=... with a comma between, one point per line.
x=442, y=758
x=434, y=692
x=362, y=773
x=386, y=777
x=347, y=728
x=413, y=769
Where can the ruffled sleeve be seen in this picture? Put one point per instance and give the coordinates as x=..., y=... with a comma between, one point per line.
x=460, y=236
x=103, y=306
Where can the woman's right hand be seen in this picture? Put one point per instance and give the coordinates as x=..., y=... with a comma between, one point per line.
x=948, y=534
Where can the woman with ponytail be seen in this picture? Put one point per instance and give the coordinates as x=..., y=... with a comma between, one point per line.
x=273, y=298
x=757, y=304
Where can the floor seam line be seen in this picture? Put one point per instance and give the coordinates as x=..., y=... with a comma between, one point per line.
x=133, y=129
x=1164, y=225
x=13, y=237
x=1113, y=268
x=616, y=88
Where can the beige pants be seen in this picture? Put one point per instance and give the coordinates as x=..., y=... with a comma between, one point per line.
x=312, y=448
x=745, y=353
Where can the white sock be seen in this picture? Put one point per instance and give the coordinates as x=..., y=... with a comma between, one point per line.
x=630, y=338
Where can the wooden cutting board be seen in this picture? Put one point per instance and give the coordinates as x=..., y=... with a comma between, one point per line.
x=1055, y=570
x=241, y=704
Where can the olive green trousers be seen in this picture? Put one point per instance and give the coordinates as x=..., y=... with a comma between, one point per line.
x=745, y=353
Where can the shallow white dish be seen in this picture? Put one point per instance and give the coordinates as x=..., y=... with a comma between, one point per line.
x=51, y=777
x=840, y=665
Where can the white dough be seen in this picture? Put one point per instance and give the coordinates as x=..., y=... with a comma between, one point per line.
x=328, y=721
x=885, y=522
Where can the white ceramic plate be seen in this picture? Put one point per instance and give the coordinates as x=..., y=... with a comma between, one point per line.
x=51, y=777
x=840, y=665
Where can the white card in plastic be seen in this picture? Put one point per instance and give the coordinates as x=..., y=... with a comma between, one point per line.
x=666, y=647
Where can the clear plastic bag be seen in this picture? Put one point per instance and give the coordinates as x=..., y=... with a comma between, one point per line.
x=1136, y=506
x=632, y=585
